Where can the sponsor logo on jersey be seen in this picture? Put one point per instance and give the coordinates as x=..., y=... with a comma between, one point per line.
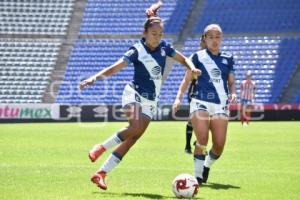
x=216, y=75
x=156, y=70
x=156, y=73
x=215, y=72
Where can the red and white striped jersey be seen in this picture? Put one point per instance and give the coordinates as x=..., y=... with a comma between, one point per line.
x=247, y=89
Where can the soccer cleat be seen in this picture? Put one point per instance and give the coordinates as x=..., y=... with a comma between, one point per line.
x=96, y=151
x=205, y=174
x=188, y=150
x=99, y=180
x=199, y=180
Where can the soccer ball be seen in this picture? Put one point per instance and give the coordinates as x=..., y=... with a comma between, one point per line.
x=185, y=186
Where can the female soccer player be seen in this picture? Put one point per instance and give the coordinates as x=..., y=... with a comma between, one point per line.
x=247, y=97
x=139, y=99
x=189, y=127
x=210, y=99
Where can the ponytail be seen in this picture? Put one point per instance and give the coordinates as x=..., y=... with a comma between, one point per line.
x=151, y=14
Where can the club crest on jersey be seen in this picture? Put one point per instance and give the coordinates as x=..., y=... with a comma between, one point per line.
x=224, y=61
x=163, y=53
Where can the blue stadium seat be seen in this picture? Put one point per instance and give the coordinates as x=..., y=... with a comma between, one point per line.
x=127, y=17
x=253, y=16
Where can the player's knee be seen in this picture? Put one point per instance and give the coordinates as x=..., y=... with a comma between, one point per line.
x=218, y=149
x=136, y=131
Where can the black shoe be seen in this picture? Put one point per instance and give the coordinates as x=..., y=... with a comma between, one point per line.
x=188, y=150
x=199, y=180
x=205, y=174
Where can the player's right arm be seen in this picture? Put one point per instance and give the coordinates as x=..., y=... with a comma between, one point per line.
x=182, y=88
x=114, y=68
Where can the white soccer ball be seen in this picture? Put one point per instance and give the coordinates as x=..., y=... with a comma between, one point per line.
x=185, y=186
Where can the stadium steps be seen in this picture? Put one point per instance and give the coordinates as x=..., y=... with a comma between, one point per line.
x=186, y=31
x=65, y=51
x=292, y=88
x=191, y=22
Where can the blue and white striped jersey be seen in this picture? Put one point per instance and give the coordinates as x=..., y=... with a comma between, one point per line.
x=212, y=86
x=149, y=67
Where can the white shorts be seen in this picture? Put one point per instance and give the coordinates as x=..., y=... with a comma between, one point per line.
x=131, y=96
x=211, y=108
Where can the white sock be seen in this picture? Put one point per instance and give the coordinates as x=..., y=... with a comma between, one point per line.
x=112, y=141
x=112, y=161
x=210, y=159
x=198, y=163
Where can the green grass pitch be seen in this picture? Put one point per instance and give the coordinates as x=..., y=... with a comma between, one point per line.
x=49, y=161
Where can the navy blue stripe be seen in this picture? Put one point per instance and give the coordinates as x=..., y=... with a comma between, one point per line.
x=116, y=154
x=199, y=157
x=213, y=156
x=119, y=136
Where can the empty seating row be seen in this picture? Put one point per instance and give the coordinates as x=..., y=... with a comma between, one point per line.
x=26, y=66
x=127, y=17
x=35, y=17
x=251, y=16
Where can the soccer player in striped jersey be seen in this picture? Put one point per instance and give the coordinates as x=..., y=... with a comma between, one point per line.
x=213, y=91
x=247, y=97
x=140, y=96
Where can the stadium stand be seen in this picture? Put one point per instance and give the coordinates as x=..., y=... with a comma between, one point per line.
x=296, y=98
x=126, y=17
x=263, y=36
x=272, y=59
x=25, y=69
x=268, y=57
x=252, y=16
x=88, y=57
x=35, y=16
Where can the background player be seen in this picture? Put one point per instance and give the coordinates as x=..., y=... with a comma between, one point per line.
x=210, y=99
x=247, y=97
x=139, y=99
x=189, y=127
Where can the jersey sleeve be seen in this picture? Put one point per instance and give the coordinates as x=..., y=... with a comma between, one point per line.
x=170, y=51
x=231, y=64
x=131, y=55
x=195, y=60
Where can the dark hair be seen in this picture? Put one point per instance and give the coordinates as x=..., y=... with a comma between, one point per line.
x=202, y=42
x=151, y=21
x=152, y=17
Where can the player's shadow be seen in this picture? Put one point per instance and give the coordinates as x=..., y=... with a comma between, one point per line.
x=218, y=186
x=144, y=195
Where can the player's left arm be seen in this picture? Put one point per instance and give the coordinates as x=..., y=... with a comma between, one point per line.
x=108, y=71
x=179, y=57
x=231, y=80
x=182, y=88
x=231, y=87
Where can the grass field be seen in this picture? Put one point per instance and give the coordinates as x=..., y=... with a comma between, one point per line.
x=49, y=161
